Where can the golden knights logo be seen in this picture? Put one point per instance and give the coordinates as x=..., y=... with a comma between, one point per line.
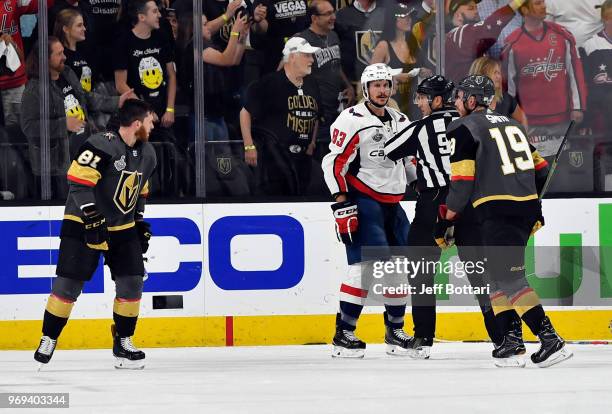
x=576, y=159
x=365, y=42
x=127, y=191
x=224, y=165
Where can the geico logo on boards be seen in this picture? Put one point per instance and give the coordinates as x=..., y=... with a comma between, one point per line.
x=26, y=260
x=26, y=256
x=227, y=277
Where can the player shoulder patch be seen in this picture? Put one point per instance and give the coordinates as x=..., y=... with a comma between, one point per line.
x=353, y=112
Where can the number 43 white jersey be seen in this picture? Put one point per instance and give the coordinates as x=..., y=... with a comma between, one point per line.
x=357, y=160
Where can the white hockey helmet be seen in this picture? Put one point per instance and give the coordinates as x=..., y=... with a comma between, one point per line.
x=377, y=71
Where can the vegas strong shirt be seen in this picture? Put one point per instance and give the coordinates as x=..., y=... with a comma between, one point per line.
x=145, y=61
x=279, y=106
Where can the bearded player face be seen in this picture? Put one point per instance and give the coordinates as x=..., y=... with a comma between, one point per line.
x=146, y=126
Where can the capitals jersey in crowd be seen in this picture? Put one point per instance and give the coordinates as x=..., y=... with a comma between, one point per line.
x=545, y=74
x=470, y=41
x=357, y=161
x=10, y=13
x=494, y=167
x=426, y=140
x=598, y=72
x=113, y=176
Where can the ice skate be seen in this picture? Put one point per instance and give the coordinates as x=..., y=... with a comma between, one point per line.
x=421, y=347
x=398, y=343
x=552, y=349
x=347, y=345
x=45, y=351
x=509, y=353
x=127, y=356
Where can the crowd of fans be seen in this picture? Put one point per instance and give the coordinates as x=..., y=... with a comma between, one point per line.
x=278, y=72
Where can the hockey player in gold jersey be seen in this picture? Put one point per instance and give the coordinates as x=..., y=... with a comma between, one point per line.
x=109, y=183
x=497, y=171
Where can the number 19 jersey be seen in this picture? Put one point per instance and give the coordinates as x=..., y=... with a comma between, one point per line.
x=494, y=167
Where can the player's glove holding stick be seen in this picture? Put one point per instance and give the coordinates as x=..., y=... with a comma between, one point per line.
x=444, y=230
x=96, y=232
x=347, y=222
x=144, y=233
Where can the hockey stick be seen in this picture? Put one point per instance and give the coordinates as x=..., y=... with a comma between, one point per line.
x=553, y=167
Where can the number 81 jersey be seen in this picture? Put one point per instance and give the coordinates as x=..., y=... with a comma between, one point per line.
x=494, y=167
x=111, y=175
x=357, y=160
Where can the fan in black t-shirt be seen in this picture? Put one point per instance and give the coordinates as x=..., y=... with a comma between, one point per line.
x=285, y=19
x=70, y=30
x=144, y=61
x=285, y=106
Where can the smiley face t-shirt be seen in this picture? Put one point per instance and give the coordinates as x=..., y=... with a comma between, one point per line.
x=145, y=61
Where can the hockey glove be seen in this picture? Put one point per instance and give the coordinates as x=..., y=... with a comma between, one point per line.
x=444, y=230
x=96, y=233
x=144, y=234
x=345, y=214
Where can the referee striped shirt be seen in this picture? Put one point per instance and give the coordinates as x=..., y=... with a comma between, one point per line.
x=426, y=141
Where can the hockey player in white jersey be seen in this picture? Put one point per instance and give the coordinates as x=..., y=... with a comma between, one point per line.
x=367, y=188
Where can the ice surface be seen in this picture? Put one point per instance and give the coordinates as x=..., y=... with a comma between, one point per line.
x=459, y=378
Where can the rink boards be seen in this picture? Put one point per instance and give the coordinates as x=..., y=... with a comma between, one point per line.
x=268, y=274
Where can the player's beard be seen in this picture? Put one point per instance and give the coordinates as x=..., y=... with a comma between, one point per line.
x=141, y=134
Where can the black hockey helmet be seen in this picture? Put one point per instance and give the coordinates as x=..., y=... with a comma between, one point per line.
x=479, y=86
x=436, y=85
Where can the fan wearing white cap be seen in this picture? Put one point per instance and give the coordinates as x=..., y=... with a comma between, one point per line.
x=367, y=188
x=284, y=107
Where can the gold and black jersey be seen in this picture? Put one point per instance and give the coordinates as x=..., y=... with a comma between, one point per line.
x=113, y=176
x=493, y=166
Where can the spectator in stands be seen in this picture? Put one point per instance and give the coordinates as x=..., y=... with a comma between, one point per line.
x=359, y=27
x=144, y=62
x=70, y=30
x=398, y=48
x=283, y=105
x=222, y=13
x=285, y=19
x=12, y=81
x=171, y=17
x=545, y=75
x=334, y=87
x=580, y=17
x=487, y=8
x=424, y=10
x=471, y=38
x=503, y=103
x=216, y=127
x=598, y=71
x=69, y=105
x=424, y=31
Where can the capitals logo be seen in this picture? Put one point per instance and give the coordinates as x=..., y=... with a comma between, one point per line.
x=548, y=66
